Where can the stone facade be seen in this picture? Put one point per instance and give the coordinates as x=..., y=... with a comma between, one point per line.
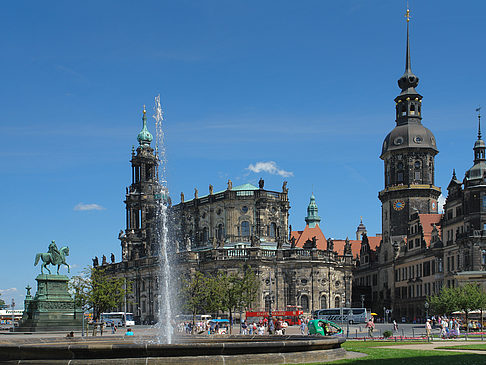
x=223, y=230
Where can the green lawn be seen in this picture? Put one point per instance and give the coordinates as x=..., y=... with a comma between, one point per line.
x=478, y=346
x=392, y=356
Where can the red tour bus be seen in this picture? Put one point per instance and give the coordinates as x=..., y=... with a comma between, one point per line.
x=292, y=315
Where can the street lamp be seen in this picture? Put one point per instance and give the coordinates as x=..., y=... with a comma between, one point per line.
x=13, y=315
x=426, y=305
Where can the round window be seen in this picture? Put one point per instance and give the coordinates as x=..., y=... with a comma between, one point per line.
x=417, y=164
x=418, y=139
x=244, y=209
x=398, y=141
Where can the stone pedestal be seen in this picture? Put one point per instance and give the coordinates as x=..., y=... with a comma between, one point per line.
x=52, y=308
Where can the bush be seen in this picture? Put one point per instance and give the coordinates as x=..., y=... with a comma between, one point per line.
x=387, y=334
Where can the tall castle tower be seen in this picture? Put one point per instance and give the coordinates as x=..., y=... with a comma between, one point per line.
x=138, y=239
x=408, y=154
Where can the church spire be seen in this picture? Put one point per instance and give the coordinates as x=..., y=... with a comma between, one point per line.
x=479, y=145
x=312, y=218
x=144, y=137
x=408, y=81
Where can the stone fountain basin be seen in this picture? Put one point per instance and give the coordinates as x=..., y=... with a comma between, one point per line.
x=187, y=350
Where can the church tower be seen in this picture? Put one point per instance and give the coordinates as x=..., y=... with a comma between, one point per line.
x=312, y=218
x=408, y=154
x=138, y=239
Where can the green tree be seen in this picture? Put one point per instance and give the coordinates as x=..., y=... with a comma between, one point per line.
x=96, y=290
x=251, y=285
x=238, y=291
x=2, y=302
x=200, y=294
x=444, y=303
x=468, y=298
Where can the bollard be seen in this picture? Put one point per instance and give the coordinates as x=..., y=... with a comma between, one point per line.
x=356, y=333
x=402, y=334
x=413, y=332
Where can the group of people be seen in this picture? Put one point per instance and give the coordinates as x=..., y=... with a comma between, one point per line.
x=449, y=328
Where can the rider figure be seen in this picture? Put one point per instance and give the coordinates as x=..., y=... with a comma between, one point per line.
x=55, y=254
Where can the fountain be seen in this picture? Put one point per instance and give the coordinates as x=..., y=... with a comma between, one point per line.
x=163, y=348
x=164, y=275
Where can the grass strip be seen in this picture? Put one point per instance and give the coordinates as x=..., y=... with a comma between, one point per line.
x=394, y=356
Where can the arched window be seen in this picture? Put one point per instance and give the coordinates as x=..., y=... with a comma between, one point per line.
x=323, y=302
x=273, y=230
x=267, y=303
x=219, y=232
x=205, y=235
x=245, y=229
x=337, y=302
x=404, y=109
x=304, y=302
x=412, y=109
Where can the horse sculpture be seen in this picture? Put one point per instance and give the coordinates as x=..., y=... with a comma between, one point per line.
x=53, y=257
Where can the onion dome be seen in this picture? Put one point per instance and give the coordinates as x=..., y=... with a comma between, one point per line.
x=409, y=131
x=144, y=137
x=478, y=171
x=312, y=217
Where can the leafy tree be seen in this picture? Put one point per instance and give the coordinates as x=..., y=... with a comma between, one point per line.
x=251, y=285
x=2, y=302
x=468, y=298
x=445, y=302
x=94, y=289
x=238, y=291
x=200, y=294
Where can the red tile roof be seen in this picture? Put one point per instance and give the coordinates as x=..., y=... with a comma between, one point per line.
x=428, y=221
x=339, y=246
x=307, y=234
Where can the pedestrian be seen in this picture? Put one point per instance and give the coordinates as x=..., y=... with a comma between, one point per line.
x=129, y=332
x=428, y=329
x=395, y=326
x=371, y=326
x=302, y=328
x=271, y=327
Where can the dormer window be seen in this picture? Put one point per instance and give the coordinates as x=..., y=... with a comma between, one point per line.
x=412, y=109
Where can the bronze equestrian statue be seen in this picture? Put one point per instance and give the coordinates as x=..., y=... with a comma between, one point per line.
x=54, y=257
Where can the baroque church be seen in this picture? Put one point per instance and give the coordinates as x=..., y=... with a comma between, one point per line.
x=418, y=252
x=226, y=230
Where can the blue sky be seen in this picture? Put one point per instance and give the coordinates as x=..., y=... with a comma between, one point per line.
x=308, y=85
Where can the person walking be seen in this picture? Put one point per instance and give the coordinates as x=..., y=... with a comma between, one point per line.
x=428, y=329
x=395, y=326
x=371, y=326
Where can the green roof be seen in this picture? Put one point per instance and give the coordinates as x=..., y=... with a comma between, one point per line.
x=245, y=187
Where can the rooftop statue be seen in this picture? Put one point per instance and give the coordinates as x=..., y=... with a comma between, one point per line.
x=53, y=257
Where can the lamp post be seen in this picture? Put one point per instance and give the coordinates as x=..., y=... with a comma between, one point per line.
x=13, y=315
x=426, y=305
x=362, y=300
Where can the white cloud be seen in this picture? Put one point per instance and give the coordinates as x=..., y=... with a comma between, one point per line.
x=82, y=206
x=269, y=167
x=440, y=203
x=6, y=291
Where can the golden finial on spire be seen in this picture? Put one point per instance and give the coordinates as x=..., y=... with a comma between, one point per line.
x=144, y=111
x=407, y=14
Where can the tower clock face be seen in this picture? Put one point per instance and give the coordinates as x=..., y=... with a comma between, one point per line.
x=399, y=205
